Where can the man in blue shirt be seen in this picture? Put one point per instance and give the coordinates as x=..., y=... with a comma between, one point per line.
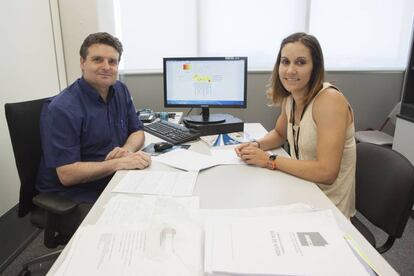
x=90, y=130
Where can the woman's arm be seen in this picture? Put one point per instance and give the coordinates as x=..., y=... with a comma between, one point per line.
x=255, y=153
x=332, y=117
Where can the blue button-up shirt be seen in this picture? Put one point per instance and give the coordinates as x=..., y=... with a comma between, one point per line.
x=76, y=126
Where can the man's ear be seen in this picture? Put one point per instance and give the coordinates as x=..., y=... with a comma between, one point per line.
x=82, y=61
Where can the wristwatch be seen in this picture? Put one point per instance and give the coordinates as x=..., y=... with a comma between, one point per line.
x=271, y=163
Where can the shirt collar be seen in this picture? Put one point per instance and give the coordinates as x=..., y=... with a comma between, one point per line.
x=91, y=92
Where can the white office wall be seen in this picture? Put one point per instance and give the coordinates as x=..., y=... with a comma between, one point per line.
x=31, y=69
x=78, y=19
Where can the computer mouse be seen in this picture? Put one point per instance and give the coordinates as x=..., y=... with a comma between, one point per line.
x=160, y=146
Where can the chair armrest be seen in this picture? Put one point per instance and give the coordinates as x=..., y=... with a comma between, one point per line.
x=54, y=203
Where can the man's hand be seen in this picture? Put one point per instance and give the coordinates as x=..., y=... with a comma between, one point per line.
x=117, y=152
x=137, y=160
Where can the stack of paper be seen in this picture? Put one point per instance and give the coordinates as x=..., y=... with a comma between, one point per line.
x=139, y=236
x=294, y=244
x=127, y=210
x=157, y=183
x=170, y=236
x=135, y=250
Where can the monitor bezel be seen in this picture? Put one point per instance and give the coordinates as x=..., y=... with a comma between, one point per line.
x=166, y=59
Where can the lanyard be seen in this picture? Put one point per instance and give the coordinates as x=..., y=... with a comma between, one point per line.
x=292, y=119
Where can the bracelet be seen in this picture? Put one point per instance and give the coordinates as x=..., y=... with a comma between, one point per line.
x=255, y=141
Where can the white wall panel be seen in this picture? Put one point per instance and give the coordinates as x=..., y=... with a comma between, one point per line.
x=29, y=71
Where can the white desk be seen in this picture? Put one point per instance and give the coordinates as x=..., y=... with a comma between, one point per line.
x=235, y=186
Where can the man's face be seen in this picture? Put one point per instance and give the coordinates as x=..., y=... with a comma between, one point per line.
x=100, y=68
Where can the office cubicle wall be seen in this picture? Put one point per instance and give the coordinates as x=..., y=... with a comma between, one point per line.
x=371, y=94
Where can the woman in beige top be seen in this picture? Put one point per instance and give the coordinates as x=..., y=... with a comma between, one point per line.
x=316, y=120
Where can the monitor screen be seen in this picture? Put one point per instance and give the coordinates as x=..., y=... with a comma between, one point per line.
x=205, y=82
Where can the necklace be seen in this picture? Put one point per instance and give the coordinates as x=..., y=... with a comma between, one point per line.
x=296, y=136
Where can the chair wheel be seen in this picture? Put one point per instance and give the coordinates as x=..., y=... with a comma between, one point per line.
x=25, y=272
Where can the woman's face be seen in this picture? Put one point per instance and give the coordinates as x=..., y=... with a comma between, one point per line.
x=295, y=67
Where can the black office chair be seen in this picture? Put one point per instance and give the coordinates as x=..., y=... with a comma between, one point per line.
x=384, y=192
x=46, y=210
x=378, y=136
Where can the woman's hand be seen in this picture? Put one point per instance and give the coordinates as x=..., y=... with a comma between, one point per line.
x=252, y=155
x=238, y=149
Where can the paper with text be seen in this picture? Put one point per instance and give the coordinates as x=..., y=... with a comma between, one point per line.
x=187, y=160
x=135, y=250
x=295, y=244
x=126, y=210
x=157, y=183
x=226, y=156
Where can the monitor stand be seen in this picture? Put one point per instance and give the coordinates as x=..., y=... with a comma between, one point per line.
x=206, y=118
x=227, y=124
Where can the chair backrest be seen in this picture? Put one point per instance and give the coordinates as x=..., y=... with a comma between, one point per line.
x=392, y=117
x=384, y=187
x=23, y=120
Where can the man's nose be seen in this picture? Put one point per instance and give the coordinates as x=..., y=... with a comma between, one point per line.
x=106, y=64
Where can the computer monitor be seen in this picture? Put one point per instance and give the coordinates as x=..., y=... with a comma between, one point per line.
x=205, y=82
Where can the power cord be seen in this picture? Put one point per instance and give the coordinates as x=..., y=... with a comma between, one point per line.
x=191, y=109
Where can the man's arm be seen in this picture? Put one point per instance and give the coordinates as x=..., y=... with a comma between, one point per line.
x=82, y=172
x=120, y=158
x=134, y=142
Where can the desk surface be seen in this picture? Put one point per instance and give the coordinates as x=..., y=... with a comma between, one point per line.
x=235, y=186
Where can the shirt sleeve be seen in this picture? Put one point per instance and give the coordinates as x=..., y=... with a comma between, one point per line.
x=134, y=124
x=60, y=131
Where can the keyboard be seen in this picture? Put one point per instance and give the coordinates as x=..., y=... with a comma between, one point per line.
x=170, y=132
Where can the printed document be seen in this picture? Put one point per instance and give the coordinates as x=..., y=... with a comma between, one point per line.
x=157, y=183
x=295, y=244
x=161, y=249
x=126, y=210
x=226, y=156
x=187, y=160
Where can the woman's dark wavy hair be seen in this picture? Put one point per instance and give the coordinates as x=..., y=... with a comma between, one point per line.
x=276, y=91
x=100, y=38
